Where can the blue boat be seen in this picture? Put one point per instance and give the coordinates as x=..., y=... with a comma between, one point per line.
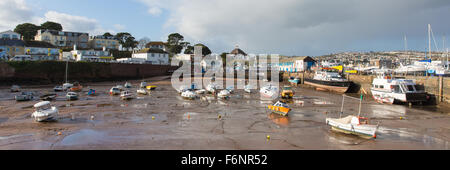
x=294, y=80
x=91, y=92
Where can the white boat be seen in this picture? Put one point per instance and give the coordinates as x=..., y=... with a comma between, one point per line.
x=182, y=89
x=120, y=87
x=114, y=91
x=201, y=91
x=67, y=86
x=189, y=94
x=128, y=85
x=24, y=96
x=211, y=88
x=355, y=125
x=58, y=88
x=71, y=96
x=269, y=91
x=248, y=89
x=329, y=80
x=224, y=94
x=143, y=85
x=230, y=89
x=142, y=91
x=15, y=88
x=44, y=112
x=126, y=95
x=397, y=90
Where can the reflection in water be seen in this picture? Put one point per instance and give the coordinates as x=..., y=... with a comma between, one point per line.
x=386, y=111
x=279, y=120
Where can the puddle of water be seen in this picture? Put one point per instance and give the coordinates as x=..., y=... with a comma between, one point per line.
x=14, y=136
x=84, y=137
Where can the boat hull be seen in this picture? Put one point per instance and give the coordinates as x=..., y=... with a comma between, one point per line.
x=365, y=131
x=279, y=110
x=398, y=98
x=45, y=116
x=334, y=86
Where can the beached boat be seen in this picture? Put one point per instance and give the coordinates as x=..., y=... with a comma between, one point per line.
x=126, y=95
x=355, y=125
x=44, y=112
x=48, y=97
x=397, y=90
x=294, y=81
x=128, y=85
x=58, y=88
x=287, y=92
x=142, y=91
x=189, y=94
x=67, y=86
x=76, y=87
x=92, y=92
x=24, y=96
x=120, y=87
x=15, y=88
x=71, y=96
x=211, y=88
x=329, y=80
x=224, y=94
x=269, y=91
x=280, y=108
x=201, y=91
x=151, y=87
x=248, y=89
x=114, y=91
x=143, y=85
x=230, y=89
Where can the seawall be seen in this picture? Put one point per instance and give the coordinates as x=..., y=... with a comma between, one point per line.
x=53, y=72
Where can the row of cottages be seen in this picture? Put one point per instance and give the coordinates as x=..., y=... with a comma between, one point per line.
x=296, y=64
x=91, y=55
x=63, y=38
x=100, y=41
x=12, y=48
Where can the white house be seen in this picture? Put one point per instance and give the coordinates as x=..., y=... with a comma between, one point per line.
x=92, y=55
x=11, y=35
x=153, y=56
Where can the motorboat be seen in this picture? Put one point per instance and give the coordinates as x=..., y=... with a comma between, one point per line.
x=211, y=88
x=355, y=125
x=329, y=80
x=269, y=91
x=71, y=96
x=92, y=92
x=58, y=88
x=294, y=80
x=142, y=91
x=386, y=89
x=280, y=108
x=44, y=112
x=201, y=91
x=114, y=91
x=15, y=88
x=76, y=87
x=67, y=86
x=151, y=87
x=128, y=85
x=182, y=89
x=189, y=94
x=120, y=87
x=48, y=97
x=248, y=89
x=224, y=94
x=24, y=96
x=126, y=95
x=287, y=92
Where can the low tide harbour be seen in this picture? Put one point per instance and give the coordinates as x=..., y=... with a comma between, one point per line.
x=164, y=120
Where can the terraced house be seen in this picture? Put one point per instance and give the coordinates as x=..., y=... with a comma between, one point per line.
x=100, y=41
x=63, y=38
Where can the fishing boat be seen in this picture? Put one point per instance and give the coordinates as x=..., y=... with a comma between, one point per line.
x=128, y=85
x=76, y=87
x=329, y=80
x=189, y=94
x=269, y=91
x=24, y=96
x=126, y=95
x=114, y=91
x=151, y=87
x=48, y=97
x=44, y=112
x=355, y=125
x=280, y=108
x=71, y=96
x=287, y=92
x=15, y=88
x=224, y=94
x=386, y=89
x=58, y=88
x=142, y=91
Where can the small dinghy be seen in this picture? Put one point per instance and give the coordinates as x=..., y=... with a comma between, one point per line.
x=76, y=87
x=58, y=88
x=142, y=91
x=287, y=92
x=24, y=96
x=269, y=91
x=189, y=94
x=355, y=125
x=44, y=112
x=126, y=95
x=48, y=97
x=128, y=85
x=71, y=96
x=211, y=88
x=280, y=108
x=15, y=88
x=114, y=91
x=224, y=94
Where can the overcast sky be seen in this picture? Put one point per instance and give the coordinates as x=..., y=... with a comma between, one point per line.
x=287, y=27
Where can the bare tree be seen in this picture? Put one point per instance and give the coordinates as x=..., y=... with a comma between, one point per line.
x=142, y=42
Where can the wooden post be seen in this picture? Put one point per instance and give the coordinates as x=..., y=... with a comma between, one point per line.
x=441, y=88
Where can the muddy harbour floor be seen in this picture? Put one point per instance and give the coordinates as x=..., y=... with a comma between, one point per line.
x=163, y=120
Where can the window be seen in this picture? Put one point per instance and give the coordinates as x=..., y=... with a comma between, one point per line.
x=381, y=87
x=419, y=88
x=15, y=37
x=5, y=36
x=410, y=87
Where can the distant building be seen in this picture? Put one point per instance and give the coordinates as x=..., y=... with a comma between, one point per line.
x=156, y=45
x=10, y=35
x=39, y=50
x=11, y=48
x=296, y=64
x=153, y=56
x=98, y=42
x=91, y=55
x=236, y=51
x=63, y=38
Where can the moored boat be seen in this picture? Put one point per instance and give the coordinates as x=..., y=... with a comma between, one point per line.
x=224, y=94
x=71, y=96
x=44, y=112
x=269, y=91
x=189, y=94
x=142, y=91
x=151, y=87
x=287, y=92
x=76, y=87
x=114, y=91
x=24, y=96
x=328, y=80
x=48, y=97
x=126, y=95
x=15, y=88
x=280, y=108
x=58, y=88
x=397, y=90
x=211, y=88
x=294, y=81
x=128, y=85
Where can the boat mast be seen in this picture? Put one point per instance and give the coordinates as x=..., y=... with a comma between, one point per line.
x=360, y=104
x=342, y=108
x=429, y=40
x=67, y=65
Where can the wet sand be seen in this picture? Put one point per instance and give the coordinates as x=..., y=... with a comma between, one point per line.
x=163, y=120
